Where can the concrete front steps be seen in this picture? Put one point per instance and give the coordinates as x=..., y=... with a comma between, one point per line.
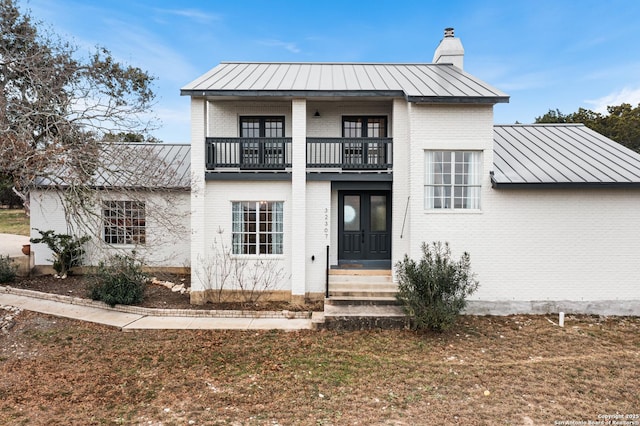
x=362, y=299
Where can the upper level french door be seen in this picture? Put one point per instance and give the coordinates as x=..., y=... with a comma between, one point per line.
x=258, y=152
x=364, y=152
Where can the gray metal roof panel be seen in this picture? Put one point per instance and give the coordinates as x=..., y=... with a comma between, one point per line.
x=564, y=154
x=132, y=165
x=417, y=82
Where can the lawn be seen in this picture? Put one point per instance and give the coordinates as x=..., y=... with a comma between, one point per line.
x=14, y=222
x=489, y=370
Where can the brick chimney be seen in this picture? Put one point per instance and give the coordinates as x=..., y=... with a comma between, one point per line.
x=450, y=50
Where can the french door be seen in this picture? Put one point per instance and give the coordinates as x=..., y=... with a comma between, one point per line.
x=364, y=225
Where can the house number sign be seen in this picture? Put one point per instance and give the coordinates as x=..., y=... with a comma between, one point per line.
x=326, y=223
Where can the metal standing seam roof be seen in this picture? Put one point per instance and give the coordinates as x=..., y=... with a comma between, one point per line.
x=133, y=165
x=560, y=155
x=427, y=83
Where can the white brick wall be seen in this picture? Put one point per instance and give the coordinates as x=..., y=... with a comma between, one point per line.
x=319, y=231
x=577, y=245
x=401, y=227
x=217, y=228
x=224, y=116
x=167, y=228
x=329, y=124
x=526, y=245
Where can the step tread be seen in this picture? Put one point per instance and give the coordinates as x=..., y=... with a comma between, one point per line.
x=361, y=272
x=363, y=311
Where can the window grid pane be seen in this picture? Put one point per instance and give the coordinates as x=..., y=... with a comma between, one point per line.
x=124, y=222
x=452, y=180
x=257, y=227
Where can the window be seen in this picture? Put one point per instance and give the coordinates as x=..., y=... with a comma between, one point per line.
x=364, y=152
x=262, y=152
x=124, y=222
x=452, y=180
x=257, y=227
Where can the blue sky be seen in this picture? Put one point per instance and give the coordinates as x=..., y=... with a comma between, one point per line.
x=545, y=54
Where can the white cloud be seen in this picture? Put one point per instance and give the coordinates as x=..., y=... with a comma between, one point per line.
x=291, y=47
x=624, y=95
x=193, y=14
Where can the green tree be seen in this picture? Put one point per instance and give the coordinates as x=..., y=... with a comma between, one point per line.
x=56, y=103
x=128, y=137
x=621, y=123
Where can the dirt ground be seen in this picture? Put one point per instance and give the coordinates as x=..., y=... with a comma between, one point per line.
x=156, y=296
x=517, y=370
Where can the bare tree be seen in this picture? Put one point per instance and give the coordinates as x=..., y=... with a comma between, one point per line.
x=55, y=104
x=229, y=277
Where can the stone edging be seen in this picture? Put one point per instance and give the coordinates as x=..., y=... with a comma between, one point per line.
x=199, y=313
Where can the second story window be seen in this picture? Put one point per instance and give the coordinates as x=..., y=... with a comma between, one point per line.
x=266, y=148
x=364, y=152
x=452, y=180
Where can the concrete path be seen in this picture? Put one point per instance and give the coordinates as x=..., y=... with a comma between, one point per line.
x=127, y=321
x=11, y=244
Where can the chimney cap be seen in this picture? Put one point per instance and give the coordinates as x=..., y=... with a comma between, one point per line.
x=448, y=32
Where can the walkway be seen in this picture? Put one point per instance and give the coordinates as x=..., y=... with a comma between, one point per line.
x=128, y=321
x=11, y=244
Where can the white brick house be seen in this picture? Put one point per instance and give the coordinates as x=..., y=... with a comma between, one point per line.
x=368, y=161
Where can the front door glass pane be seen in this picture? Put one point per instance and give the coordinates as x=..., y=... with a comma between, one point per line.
x=351, y=212
x=378, y=213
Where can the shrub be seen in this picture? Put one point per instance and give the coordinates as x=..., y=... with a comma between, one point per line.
x=7, y=269
x=434, y=290
x=119, y=280
x=67, y=250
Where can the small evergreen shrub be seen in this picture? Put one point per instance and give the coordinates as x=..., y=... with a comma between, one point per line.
x=7, y=269
x=119, y=280
x=434, y=290
x=67, y=250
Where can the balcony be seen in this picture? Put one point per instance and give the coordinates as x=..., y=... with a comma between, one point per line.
x=349, y=153
x=272, y=154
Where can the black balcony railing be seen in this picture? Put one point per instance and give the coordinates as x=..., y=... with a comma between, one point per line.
x=248, y=153
x=350, y=153
x=275, y=153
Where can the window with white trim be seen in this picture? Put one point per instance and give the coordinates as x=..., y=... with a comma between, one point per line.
x=258, y=227
x=124, y=222
x=452, y=180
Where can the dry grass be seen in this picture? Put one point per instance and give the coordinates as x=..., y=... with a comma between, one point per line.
x=58, y=371
x=14, y=221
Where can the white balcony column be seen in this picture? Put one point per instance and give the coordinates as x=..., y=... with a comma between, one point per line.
x=198, y=225
x=298, y=197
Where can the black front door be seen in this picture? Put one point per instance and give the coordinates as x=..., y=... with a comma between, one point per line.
x=364, y=225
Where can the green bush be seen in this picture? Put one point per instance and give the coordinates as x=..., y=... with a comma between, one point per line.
x=434, y=290
x=67, y=250
x=119, y=280
x=7, y=269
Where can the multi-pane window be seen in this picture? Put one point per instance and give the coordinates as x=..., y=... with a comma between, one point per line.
x=258, y=227
x=452, y=180
x=364, y=152
x=262, y=152
x=124, y=222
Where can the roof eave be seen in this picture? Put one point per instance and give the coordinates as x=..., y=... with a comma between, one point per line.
x=293, y=93
x=563, y=185
x=458, y=99
x=346, y=93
